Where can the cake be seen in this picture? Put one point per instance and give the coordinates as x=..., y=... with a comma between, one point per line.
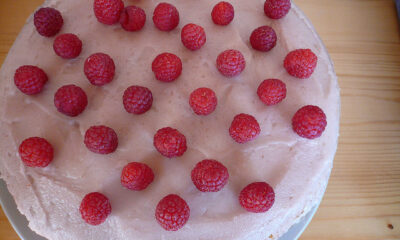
x=295, y=167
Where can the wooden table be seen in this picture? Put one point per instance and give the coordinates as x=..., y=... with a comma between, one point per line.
x=363, y=197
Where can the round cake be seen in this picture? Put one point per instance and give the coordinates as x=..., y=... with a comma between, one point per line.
x=293, y=164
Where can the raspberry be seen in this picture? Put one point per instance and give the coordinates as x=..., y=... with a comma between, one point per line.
x=108, y=11
x=193, y=36
x=48, y=21
x=167, y=67
x=70, y=100
x=137, y=100
x=257, y=197
x=231, y=63
x=301, y=63
x=170, y=142
x=203, y=101
x=244, y=128
x=209, y=176
x=95, y=208
x=101, y=139
x=309, y=122
x=276, y=9
x=99, y=69
x=165, y=17
x=272, y=91
x=223, y=13
x=36, y=152
x=172, y=212
x=30, y=79
x=136, y=176
x=263, y=39
x=132, y=18
x=67, y=46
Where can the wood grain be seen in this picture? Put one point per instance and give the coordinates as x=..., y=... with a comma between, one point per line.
x=362, y=201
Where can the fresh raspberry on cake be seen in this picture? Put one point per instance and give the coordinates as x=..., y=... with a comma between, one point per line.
x=165, y=17
x=136, y=176
x=257, y=197
x=309, y=122
x=209, y=176
x=167, y=67
x=101, y=139
x=137, y=99
x=276, y=9
x=301, y=63
x=132, y=18
x=99, y=69
x=263, y=39
x=223, y=13
x=30, y=79
x=172, y=212
x=203, y=101
x=48, y=21
x=170, y=142
x=108, y=11
x=244, y=128
x=70, y=100
x=36, y=152
x=231, y=63
x=193, y=36
x=67, y=46
x=271, y=91
x=95, y=208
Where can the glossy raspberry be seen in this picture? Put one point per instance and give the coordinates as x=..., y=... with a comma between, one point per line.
x=95, y=208
x=132, y=18
x=36, y=152
x=167, y=67
x=48, y=21
x=137, y=99
x=301, y=63
x=231, y=63
x=203, y=101
x=223, y=13
x=136, y=176
x=30, y=79
x=172, y=212
x=108, y=11
x=170, y=142
x=193, y=36
x=210, y=176
x=271, y=91
x=101, y=139
x=165, y=17
x=263, y=39
x=244, y=128
x=70, y=100
x=257, y=197
x=309, y=122
x=67, y=46
x=276, y=9
x=99, y=69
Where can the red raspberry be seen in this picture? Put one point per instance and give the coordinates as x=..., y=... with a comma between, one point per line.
x=95, y=208
x=99, y=69
x=257, y=197
x=301, y=63
x=108, y=11
x=244, y=128
x=30, y=79
x=48, y=21
x=263, y=39
x=170, y=142
x=70, y=100
x=209, y=176
x=167, y=67
x=231, y=63
x=203, y=101
x=136, y=176
x=193, y=36
x=137, y=100
x=223, y=13
x=165, y=17
x=272, y=91
x=132, y=18
x=101, y=139
x=36, y=152
x=67, y=46
x=172, y=212
x=309, y=122
x=276, y=9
